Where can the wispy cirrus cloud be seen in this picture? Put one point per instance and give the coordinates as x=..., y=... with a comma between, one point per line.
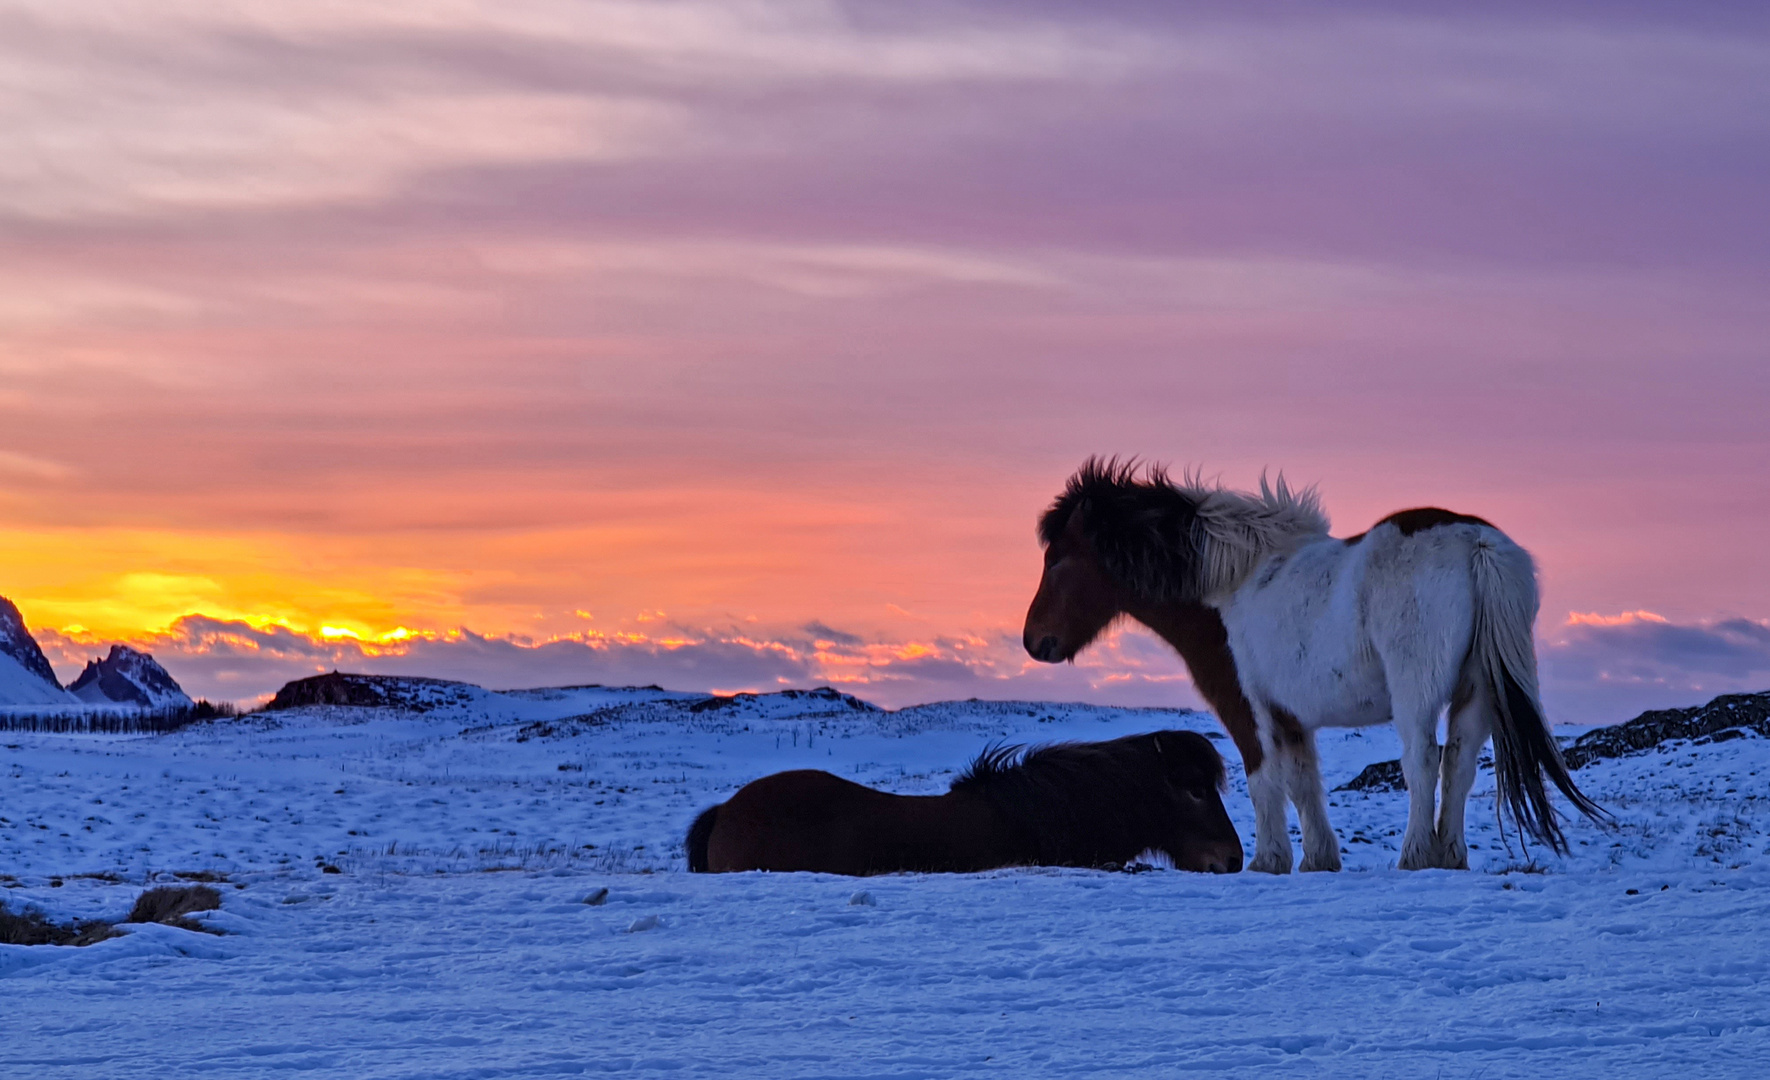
x=456, y=315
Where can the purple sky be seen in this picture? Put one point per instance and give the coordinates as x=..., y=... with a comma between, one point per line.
x=719, y=321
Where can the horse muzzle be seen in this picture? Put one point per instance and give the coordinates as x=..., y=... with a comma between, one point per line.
x=1046, y=649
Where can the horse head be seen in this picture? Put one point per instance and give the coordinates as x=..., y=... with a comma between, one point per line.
x=1205, y=839
x=1118, y=540
x=1077, y=599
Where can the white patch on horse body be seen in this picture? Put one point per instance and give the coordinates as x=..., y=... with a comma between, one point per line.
x=1337, y=634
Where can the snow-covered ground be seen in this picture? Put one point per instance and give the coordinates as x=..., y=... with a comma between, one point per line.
x=454, y=941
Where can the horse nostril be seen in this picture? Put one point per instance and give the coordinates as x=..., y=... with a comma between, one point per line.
x=1046, y=649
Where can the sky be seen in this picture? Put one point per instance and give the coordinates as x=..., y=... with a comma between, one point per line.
x=736, y=346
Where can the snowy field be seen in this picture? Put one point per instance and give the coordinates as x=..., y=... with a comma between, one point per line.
x=405, y=894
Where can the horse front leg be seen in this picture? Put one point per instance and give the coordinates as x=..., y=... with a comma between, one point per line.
x=1267, y=787
x=1321, y=846
x=1471, y=722
x=1272, y=841
x=1417, y=725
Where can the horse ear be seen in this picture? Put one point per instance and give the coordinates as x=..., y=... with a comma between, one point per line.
x=1075, y=531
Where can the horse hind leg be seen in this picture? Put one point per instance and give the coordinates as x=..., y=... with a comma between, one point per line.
x=1471, y=722
x=1417, y=725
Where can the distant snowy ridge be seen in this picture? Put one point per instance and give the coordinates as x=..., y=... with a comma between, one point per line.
x=566, y=712
x=128, y=677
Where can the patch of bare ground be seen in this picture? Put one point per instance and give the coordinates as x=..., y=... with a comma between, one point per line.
x=32, y=927
x=168, y=904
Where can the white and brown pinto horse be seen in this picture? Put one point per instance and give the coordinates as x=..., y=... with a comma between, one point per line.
x=1286, y=629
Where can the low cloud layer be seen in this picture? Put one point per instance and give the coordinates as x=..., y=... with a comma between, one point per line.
x=231, y=660
x=1599, y=669
x=1596, y=669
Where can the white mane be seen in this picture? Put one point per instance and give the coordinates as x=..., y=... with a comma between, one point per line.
x=1240, y=528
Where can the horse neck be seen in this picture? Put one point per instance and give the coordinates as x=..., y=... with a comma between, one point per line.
x=963, y=831
x=1240, y=530
x=1196, y=632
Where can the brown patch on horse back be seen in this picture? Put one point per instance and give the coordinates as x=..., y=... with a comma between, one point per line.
x=1421, y=518
x=1287, y=723
x=1197, y=633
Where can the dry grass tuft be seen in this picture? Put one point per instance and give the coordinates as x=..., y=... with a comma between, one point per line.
x=31, y=927
x=169, y=904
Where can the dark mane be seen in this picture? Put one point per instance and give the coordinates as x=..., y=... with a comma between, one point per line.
x=1141, y=525
x=1082, y=804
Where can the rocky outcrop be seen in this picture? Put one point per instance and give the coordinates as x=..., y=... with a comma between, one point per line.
x=128, y=677
x=1730, y=716
x=408, y=692
x=1382, y=776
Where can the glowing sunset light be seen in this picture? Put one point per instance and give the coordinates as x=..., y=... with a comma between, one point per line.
x=1575, y=618
x=705, y=345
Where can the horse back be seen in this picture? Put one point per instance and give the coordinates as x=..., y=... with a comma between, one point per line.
x=811, y=820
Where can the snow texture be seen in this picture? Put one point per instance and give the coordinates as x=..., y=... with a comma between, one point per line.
x=495, y=887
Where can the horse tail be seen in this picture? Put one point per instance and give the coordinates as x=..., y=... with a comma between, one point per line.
x=1502, y=657
x=698, y=835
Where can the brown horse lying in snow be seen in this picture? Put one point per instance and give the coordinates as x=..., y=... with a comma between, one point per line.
x=1067, y=804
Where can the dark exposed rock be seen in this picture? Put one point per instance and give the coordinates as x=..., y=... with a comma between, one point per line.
x=409, y=692
x=1730, y=716
x=1383, y=776
x=1727, y=717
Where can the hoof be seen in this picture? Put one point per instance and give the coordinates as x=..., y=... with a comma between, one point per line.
x=1268, y=863
x=1328, y=864
x=1416, y=860
x=1453, y=855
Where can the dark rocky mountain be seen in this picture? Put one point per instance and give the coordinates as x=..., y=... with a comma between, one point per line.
x=17, y=642
x=128, y=677
x=25, y=675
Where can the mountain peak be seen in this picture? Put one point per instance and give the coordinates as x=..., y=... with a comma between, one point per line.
x=128, y=677
x=17, y=642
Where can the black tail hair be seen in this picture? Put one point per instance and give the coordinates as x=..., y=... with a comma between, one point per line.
x=698, y=835
x=1524, y=753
